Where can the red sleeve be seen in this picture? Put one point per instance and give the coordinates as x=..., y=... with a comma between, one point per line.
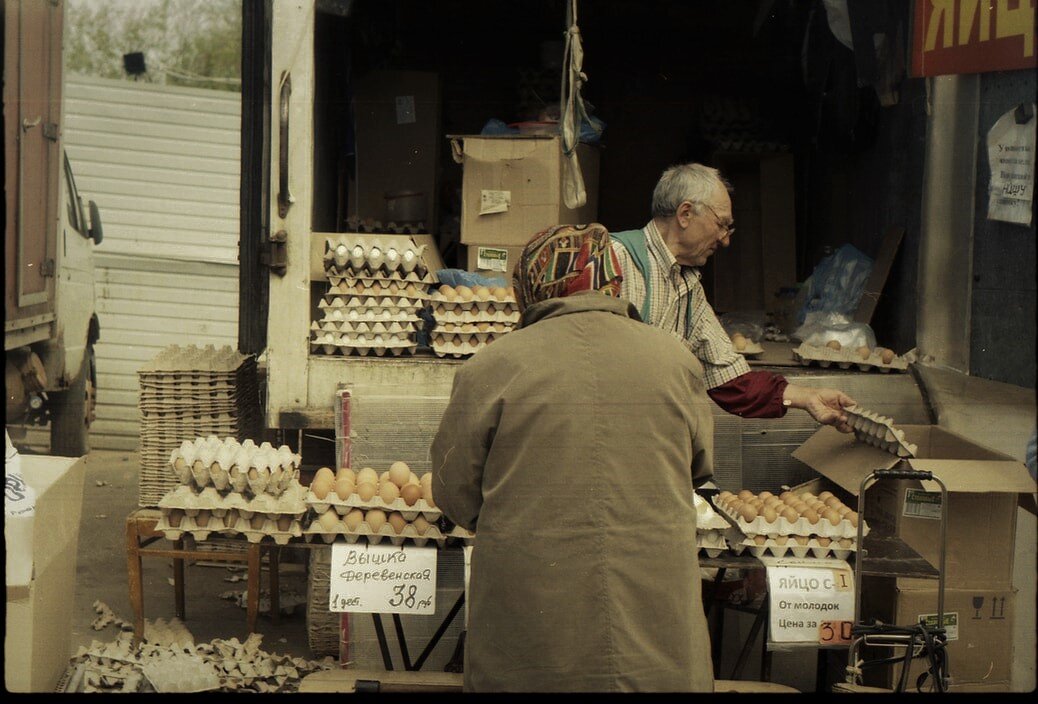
x=752, y=395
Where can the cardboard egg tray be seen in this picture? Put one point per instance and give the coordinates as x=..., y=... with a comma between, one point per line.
x=470, y=327
x=377, y=327
x=711, y=542
x=740, y=544
x=203, y=360
x=393, y=283
x=346, y=255
x=315, y=531
x=751, y=349
x=464, y=316
x=394, y=304
x=369, y=315
x=472, y=310
x=191, y=502
x=801, y=526
x=459, y=533
x=272, y=481
x=479, y=303
x=344, y=506
x=345, y=346
x=845, y=359
x=203, y=524
x=445, y=346
x=879, y=431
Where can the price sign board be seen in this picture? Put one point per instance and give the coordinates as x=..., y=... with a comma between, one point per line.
x=812, y=600
x=384, y=579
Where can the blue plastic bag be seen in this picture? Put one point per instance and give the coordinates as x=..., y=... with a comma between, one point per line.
x=837, y=283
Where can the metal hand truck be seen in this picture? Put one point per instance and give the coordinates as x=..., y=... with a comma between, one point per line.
x=918, y=640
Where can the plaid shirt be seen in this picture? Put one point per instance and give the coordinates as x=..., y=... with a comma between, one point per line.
x=675, y=289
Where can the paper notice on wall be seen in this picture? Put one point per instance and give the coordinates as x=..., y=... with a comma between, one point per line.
x=1011, y=144
x=811, y=599
x=494, y=202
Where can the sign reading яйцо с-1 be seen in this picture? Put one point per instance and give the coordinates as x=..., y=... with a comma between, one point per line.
x=972, y=36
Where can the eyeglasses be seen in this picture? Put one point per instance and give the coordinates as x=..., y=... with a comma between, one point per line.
x=729, y=229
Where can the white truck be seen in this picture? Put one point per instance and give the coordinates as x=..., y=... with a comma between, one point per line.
x=50, y=325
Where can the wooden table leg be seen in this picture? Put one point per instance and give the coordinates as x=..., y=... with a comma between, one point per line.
x=273, y=559
x=133, y=571
x=178, y=581
x=252, y=592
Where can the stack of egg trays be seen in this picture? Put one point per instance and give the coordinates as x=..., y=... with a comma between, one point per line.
x=202, y=513
x=464, y=535
x=343, y=506
x=376, y=287
x=845, y=359
x=465, y=327
x=741, y=534
x=711, y=529
x=879, y=431
x=188, y=392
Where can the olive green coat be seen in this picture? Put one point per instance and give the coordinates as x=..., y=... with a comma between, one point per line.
x=570, y=447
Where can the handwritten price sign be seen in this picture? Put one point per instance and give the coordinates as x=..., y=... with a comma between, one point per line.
x=384, y=579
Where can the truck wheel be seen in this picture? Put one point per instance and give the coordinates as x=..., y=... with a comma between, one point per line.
x=72, y=411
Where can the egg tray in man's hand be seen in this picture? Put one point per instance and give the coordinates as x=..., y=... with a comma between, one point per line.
x=789, y=513
x=373, y=525
x=798, y=545
x=863, y=358
x=873, y=429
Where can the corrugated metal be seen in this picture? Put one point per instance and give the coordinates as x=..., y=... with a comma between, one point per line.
x=162, y=163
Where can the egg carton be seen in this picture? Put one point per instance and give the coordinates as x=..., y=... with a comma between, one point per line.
x=208, y=359
x=368, y=315
x=273, y=481
x=461, y=316
x=462, y=534
x=345, y=255
x=394, y=304
x=845, y=359
x=421, y=507
x=467, y=328
x=316, y=531
x=465, y=349
x=365, y=349
x=421, y=281
x=707, y=517
x=203, y=524
x=751, y=349
x=190, y=501
x=711, y=542
x=801, y=526
x=479, y=301
x=378, y=288
x=836, y=548
x=362, y=326
x=489, y=306
x=181, y=673
x=879, y=431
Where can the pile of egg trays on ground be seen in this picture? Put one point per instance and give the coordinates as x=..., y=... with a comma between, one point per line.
x=188, y=392
x=710, y=528
x=230, y=488
x=863, y=358
x=798, y=523
x=469, y=319
x=376, y=287
x=879, y=431
x=398, y=505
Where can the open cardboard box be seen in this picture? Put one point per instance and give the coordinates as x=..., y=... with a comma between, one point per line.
x=984, y=488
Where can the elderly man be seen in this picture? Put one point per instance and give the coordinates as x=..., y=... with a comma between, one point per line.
x=571, y=447
x=691, y=218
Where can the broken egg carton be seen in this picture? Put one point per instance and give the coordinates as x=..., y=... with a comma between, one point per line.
x=371, y=255
x=227, y=465
x=879, y=431
x=845, y=358
x=377, y=287
x=393, y=304
x=783, y=519
x=372, y=525
x=706, y=517
x=799, y=546
x=182, y=673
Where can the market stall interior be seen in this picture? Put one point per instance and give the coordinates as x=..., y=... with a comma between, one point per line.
x=396, y=156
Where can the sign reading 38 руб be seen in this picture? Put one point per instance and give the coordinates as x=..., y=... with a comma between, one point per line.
x=385, y=579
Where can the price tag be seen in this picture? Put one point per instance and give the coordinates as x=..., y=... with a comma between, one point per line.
x=806, y=594
x=384, y=579
x=834, y=633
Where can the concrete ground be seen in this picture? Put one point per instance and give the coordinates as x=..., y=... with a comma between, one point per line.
x=110, y=493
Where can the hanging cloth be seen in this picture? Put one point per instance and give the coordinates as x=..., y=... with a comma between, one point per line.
x=573, y=111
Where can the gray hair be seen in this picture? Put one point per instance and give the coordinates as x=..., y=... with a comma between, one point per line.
x=691, y=182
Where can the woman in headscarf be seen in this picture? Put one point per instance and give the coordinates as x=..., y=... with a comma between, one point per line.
x=571, y=446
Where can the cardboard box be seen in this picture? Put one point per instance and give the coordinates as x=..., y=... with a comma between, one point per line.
x=39, y=610
x=980, y=632
x=512, y=187
x=984, y=488
x=398, y=140
x=493, y=260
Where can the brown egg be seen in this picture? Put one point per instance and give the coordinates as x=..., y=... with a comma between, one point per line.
x=756, y=503
x=420, y=524
x=738, y=342
x=864, y=352
x=284, y=523
x=785, y=495
x=202, y=519
x=367, y=490
x=329, y=521
x=807, y=496
x=448, y=292
x=760, y=539
x=388, y=492
x=399, y=473
x=789, y=514
x=464, y=293
x=735, y=505
x=724, y=495
x=324, y=472
x=412, y=478
x=781, y=539
x=427, y=494
x=824, y=495
x=425, y=480
x=800, y=507
x=770, y=515
x=321, y=485
x=411, y=493
x=258, y=521
x=745, y=494
x=853, y=518
x=346, y=473
x=775, y=502
x=833, y=502
x=344, y=488
x=811, y=515
x=383, y=478
x=396, y=520
x=481, y=293
x=375, y=518
x=832, y=516
x=765, y=495
x=844, y=510
x=823, y=541
x=888, y=356
x=790, y=499
x=367, y=475
x=845, y=543
x=353, y=519
x=801, y=539
x=833, y=345
x=747, y=513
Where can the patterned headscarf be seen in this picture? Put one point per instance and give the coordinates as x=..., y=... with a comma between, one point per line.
x=564, y=260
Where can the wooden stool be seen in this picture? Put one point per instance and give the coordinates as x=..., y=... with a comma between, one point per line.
x=140, y=533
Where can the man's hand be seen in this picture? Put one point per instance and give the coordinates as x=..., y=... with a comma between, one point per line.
x=825, y=405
